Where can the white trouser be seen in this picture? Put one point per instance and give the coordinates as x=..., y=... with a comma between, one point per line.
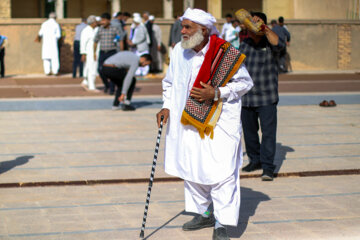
x=225, y=197
x=90, y=72
x=51, y=65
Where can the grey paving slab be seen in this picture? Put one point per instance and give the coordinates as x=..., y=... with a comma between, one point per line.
x=41, y=146
x=102, y=103
x=288, y=208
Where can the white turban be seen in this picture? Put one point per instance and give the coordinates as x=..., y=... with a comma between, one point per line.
x=201, y=17
x=137, y=19
x=151, y=18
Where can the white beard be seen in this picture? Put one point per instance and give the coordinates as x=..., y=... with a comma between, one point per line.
x=193, y=40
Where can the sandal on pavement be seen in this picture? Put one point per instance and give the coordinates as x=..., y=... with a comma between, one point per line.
x=324, y=104
x=332, y=103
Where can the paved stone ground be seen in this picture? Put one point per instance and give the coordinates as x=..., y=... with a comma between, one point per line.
x=288, y=208
x=56, y=139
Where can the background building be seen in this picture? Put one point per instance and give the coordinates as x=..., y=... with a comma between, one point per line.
x=325, y=33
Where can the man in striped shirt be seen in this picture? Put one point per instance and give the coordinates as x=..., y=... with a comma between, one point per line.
x=107, y=36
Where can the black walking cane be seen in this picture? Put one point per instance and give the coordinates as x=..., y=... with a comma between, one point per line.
x=151, y=178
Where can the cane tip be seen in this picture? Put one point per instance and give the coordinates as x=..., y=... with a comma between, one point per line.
x=142, y=234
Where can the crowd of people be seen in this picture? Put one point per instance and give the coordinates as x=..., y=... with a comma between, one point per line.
x=98, y=41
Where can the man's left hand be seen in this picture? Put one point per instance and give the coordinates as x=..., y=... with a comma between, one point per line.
x=203, y=94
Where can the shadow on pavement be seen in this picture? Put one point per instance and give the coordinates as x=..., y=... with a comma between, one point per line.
x=280, y=155
x=140, y=104
x=164, y=225
x=250, y=200
x=8, y=165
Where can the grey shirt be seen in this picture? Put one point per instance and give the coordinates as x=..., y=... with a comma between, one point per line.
x=78, y=30
x=127, y=60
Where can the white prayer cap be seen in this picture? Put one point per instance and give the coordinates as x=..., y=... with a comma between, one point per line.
x=91, y=19
x=151, y=18
x=137, y=19
x=98, y=19
x=136, y=15
x=52, y=15
x=114, y=14
x=201, y=17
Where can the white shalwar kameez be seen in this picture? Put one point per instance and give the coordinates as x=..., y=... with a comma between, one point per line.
x=87, y=47
x=50, y=33
x=210, y=167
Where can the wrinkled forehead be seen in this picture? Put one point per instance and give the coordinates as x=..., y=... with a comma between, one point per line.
x=190, y=24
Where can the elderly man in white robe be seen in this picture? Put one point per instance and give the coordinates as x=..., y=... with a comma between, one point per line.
x=50, y=33
x=202, y=102
x=87, y=53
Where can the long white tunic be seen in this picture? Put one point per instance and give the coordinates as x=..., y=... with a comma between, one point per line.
x=203, y=161
x=50, y=33
x=87, y=47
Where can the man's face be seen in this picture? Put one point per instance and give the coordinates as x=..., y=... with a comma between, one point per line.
x=145, y=16
x=189, y=28
x=144, y=62
x=105, y=22
x=228, y=19
x=192, y=34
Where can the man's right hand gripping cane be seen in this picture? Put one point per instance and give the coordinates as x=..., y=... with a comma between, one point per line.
x=164, y=112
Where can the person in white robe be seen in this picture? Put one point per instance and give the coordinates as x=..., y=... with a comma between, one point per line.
x=209, y=166
x=232, y=34
x=50, y=33
x=87, y=53
x=226, y=25
x=139, y=42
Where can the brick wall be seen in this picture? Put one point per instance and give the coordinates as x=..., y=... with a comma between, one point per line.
x=66, y=50
x=5, y=8
x=344, y=46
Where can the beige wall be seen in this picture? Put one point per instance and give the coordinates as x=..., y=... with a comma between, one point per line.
x=5, y=8
x=355, y=46
x=323, y=9
x=314, y=44
x=312, y=9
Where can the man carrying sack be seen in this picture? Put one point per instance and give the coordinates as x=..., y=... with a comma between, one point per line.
x=202, y=101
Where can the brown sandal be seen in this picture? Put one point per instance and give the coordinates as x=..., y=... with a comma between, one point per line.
x=324, y=104
x=332, y=103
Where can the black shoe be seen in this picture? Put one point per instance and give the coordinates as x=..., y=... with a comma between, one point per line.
x=199, y=222
x=127, y=107
x=251, y=167
x=220, y=234
x=267, y=175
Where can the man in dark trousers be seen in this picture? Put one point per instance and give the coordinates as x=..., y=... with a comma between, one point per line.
x=120, y=68
x=77, y=56
x=284, y=34
x=260, y=103
x=108, y=47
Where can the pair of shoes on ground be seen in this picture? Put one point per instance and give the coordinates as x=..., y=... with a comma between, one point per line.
x=267, y=175
x=325, y=103
x=124, y=107
x=199, y=222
